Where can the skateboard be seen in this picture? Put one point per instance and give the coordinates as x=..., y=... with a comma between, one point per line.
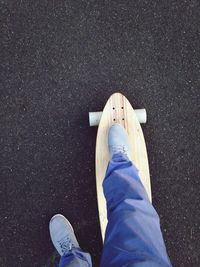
x=119, y=110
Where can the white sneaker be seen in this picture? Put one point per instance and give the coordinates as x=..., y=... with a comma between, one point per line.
x=62, y=234
x=118, y=140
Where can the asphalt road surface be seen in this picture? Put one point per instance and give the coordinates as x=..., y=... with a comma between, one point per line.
x=58, y=61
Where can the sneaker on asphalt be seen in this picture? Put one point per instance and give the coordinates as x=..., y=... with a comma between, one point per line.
x=62, y=234
x=118, y=140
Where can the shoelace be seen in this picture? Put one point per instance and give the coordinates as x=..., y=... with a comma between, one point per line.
x=119, y=149
x=65, y=244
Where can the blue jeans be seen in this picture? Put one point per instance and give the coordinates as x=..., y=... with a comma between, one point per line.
x=133, y=236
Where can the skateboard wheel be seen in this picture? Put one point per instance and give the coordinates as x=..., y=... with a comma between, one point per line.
x=94, y=117
x=141, y=115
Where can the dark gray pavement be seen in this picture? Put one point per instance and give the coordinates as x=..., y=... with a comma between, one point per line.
x=61, y=59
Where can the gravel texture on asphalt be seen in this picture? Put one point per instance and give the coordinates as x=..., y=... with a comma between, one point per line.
x=58, y=61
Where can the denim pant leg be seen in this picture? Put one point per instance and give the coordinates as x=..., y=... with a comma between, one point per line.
x=76, y=258
x=133, y=235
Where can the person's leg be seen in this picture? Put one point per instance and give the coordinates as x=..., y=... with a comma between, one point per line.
x=64, y=240
x=133, y=235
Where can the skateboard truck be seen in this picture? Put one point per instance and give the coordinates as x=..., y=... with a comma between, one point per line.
x=95, y=117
